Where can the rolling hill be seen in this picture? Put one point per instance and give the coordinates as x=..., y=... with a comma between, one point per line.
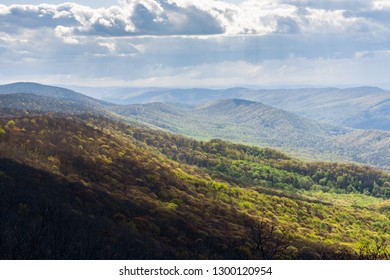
x=50, y=92
x=37, y=98
x=363, y=107
x=377, y=116
x=233, y=119
x=33, y=102
x=254, y=123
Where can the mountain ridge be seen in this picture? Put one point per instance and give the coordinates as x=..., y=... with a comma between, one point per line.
x=350, y=105
x=47, y=91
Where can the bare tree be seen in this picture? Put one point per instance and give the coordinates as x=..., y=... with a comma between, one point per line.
x=267, y=240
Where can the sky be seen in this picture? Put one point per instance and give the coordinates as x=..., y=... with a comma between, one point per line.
x=203, y=43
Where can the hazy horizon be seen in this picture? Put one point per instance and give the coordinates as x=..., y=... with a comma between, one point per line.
x=250, y=87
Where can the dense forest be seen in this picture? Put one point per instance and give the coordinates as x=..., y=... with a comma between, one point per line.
x=87, y=187
x=253, y=123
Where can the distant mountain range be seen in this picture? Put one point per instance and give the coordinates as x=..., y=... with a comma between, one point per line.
x=237, y=120
x=362, y=107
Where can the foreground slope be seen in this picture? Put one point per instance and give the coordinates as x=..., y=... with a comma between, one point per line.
x=94, y=188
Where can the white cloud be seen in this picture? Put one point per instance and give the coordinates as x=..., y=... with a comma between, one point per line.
x=381, y=5
x=189, y=42
x=385, y=54
x=66, y=34
x=183, y=17
x=3, y=10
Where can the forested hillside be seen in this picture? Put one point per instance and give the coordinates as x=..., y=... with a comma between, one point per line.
x=97, y=188
x=253, y=123
x=50, y=91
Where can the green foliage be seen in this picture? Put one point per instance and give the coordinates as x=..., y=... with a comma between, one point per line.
x=247, y=122
x=10, y=124
x=165, y=196
x=252, y=166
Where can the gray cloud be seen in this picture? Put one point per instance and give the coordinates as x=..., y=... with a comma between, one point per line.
x=174, y=20
x=331, y=4
x=140, y=17
x=182, y=17
x=141, y=39
x=16, y=17
x=378, y=16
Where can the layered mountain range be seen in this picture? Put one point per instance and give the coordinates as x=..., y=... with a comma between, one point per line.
x=309, y=133
x=362, y=107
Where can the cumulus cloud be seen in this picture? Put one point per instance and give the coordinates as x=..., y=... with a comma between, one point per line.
x=183, y=17
x=203, y=40
x=138, y=17
x=15, y=17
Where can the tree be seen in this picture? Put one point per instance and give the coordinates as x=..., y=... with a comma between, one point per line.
x=267, y=240
x=377, y=250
